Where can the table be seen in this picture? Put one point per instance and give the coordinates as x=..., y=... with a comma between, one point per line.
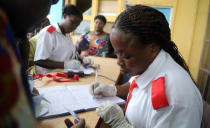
x=108, y=67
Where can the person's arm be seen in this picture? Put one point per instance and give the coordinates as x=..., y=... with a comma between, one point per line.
x=78, y=124
x=122, y=90
x=82, y=42
x=49, y=64
x=102, y=90
x=119, y=80
x=113, y=115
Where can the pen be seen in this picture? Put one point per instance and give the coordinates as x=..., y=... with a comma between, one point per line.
x=96, y=76
x=72, y=113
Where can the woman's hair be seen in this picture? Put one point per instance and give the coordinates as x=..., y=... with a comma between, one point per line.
x=148, y=25
x=72, y=10
x=101, y=17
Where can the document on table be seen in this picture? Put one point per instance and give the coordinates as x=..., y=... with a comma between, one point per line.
x=77, y=98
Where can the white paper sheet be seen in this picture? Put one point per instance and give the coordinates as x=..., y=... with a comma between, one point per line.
x=75, y=97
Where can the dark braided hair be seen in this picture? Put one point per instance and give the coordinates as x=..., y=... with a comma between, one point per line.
x=148, y=25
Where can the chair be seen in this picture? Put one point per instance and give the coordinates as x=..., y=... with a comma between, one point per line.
x=206, y=115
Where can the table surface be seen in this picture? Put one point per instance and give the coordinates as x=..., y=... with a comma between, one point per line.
x=108, y=68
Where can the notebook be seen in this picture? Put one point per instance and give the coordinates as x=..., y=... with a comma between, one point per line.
x=77, y=98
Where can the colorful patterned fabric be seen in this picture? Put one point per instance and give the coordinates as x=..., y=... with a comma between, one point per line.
x=98, y=45
x=14, y=108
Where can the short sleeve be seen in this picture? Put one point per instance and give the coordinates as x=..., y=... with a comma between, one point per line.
x=44, y=46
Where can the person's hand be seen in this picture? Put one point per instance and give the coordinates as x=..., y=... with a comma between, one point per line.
x=83, y=43
x=72, y=64
x=78, y=124
x=113, y=115
x=87, y=61
x=35, y=92
x=102, y=90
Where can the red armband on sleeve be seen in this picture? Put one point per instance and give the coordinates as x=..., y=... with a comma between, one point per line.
x=158, y=97
x=51, y=29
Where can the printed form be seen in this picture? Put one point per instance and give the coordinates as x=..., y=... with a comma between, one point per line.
x=76, y=98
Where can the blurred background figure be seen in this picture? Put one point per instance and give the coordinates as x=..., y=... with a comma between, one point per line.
x=17, y=18
x=96, y=43
x=32, y=68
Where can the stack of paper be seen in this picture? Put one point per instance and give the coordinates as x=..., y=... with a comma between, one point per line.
x=77, y=98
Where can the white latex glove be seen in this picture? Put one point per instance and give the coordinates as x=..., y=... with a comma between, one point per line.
x=102, y=90
x=72, y=64
x=86, y=60
x=113, y=115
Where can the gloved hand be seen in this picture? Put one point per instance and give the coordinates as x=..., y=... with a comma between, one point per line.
x=113, y=115
x=72, y=64
x=80, y=124
x=102, y=90
x=87, y=61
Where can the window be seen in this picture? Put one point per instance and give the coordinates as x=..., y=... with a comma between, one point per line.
x=166, y=11
x=55, y=14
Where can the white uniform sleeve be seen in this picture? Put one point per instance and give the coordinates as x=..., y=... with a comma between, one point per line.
x=174, y=116
x=44, y=46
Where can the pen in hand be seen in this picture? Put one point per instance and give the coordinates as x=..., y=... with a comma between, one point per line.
x=96, y=75
x=72, y=113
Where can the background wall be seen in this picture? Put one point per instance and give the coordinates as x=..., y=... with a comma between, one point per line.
x=188, y=23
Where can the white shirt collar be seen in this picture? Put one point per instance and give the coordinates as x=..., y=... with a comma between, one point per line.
x=144, y=79
x=57, y=28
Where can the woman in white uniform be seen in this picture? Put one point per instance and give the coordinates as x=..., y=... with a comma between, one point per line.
x=54, y=44
x=161, y=92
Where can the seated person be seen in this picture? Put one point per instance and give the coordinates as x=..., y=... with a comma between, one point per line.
x=95, y=43
x=54, y=44
x=161, y=92
x=32, y=42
